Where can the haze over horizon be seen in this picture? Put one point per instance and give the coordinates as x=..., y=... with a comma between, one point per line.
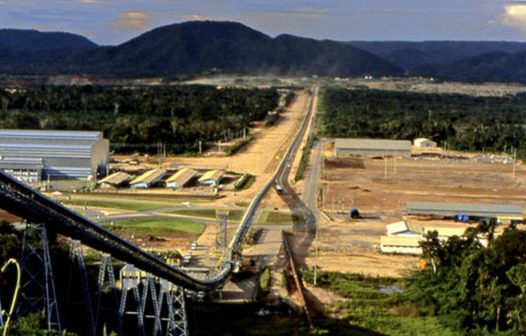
x=112, y=22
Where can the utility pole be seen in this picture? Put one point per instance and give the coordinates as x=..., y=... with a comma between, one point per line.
x=200, y=147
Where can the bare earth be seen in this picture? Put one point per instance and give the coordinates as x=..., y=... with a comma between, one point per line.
x=379, y=189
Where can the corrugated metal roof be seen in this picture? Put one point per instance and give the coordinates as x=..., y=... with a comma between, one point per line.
x=21, y=163
x=116, y=178
x=373, y=144
x=182, y=176
x=213, y=175
x=150, y=176
x=451, y=209
x=50, y=134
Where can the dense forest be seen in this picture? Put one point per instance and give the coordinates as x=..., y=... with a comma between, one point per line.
x=140, y=117
x=479, y=290
x=461, y=122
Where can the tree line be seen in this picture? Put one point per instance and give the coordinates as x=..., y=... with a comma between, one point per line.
x=137, y=118
x=461, y=122
x=480, y=290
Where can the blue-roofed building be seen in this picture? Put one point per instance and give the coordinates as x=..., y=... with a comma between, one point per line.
x=56, y=154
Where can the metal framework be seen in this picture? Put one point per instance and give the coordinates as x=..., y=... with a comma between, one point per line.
x=130, y=278
x=78, y=269
x=37, y=292
x=106, y=271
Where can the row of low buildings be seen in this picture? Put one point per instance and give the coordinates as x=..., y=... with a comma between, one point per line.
x=157, y=176
x=378, y=147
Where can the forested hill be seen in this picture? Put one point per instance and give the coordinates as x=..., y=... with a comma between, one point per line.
x=201, y=47
x=411, y=55
x=31, y=41
x=496, y=66
x=205, y=47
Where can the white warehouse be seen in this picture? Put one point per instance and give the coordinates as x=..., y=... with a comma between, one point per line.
x=53, y=155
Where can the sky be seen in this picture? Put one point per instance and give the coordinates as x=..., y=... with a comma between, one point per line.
x=110, y=22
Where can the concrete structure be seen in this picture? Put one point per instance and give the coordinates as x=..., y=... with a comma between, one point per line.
x=148, y=179
x=401, y=245
x=179, y=179
x=54, y=154
x=473, y=210
x=423, y=142
x=211, y=177
x=371, y=147
x=115, y=180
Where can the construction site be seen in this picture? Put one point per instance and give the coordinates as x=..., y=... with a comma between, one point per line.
x=381, y=187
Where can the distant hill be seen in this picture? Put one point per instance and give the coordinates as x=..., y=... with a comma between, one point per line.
x=207, y=46
x=496, y=66
x=203, y=47
x=29, y=41
x=411, y=55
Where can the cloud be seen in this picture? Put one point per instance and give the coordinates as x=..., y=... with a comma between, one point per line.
x=131, y=21
x=195, y=17
x=514, y=15
x=303, y=12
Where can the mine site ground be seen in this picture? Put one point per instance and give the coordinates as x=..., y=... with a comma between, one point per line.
x=379, y=189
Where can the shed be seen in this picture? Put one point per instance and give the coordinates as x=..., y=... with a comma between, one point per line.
x=371, y=147
x=424, y=142
x=179, y=179
x=211, y=177
x=148, y=179
x=116, y=179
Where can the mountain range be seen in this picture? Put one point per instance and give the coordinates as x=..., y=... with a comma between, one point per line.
x=199, y=47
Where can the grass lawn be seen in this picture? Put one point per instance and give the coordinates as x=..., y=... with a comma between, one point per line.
x=367, y=307
x=158, y=226
x=280, y=217
x=209, y=213
x=114, y=204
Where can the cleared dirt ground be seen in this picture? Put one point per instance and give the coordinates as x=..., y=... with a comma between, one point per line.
x=379, y=189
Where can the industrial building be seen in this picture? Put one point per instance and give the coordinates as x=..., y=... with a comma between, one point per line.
x=424, y=142
x=472, y=210
x=179, y=179
x=34, y=155
x=371, y=147
x=211, y=177
x=115, y=180
x=148, y=179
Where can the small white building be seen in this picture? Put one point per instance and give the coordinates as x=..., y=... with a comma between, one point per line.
x=424, y=142
x=401, y=245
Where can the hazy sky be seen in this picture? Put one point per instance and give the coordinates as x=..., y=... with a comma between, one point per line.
x=115, y=21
